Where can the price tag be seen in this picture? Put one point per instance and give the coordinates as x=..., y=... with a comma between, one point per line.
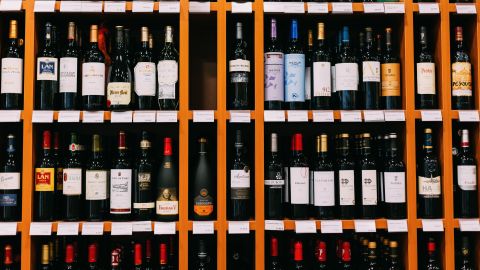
x=469, y=225
x=114, y=6
x=142, y=6
x=41, y=228
x=394, y=8
x=394, y=116
x=294, y=7
x=297, y=116
x=8, y=228
x=67, y=228
x=342, y=8
x=92, y=6
x=373, y=8
x=373, y=116
x=165, y=228
x=305, y=226
x=70, y=6
x=122, y=228
x=466, y=8
x=92, y=228
x=169, y=7
x=273, y=7
x=203, y=116
x=69, y=116
x=274, y=116
x=432, y=225
x=144, y=116
x=240, y=116
x=331, y=226
x=203, y=227
x=44, y=6
x=317, y=8
x=428, y=8
x=167, y=116
x=238, y=227
x=92, y=117
x=323, y=116
x=397, y=225
x=274, y=225
x=242, y=7
x=10, y=5
x=431, y=115
x=10, y=116
x=199, y=7
x=42, y=117
x=351, y=116
x=468, y=116
x=121, y=117
x=142, y=226
x=365, y=226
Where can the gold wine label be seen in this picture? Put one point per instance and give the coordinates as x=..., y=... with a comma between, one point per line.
x=44, y=179
x=461, y=79
x=390, y=79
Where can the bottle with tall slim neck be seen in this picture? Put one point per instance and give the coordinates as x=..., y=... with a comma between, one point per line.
x=346, y=74
x=45, y=182
x=121, y=182
x=391, y=75
x=370, y=73
x=96, y=183
x=321, y=73
x=426, y=95
x=163, y=258
x=274, y=260
x=10, y=179
x=429, y=181
x=308, y=69
x=92, y=257
x=93, y=74
x=462, y=97
x=432, y=262
x=72, y=180
x=323, y=180
x=202, y=260
x=465, y=260
x=69, y=72
x=7, y=258
x=137, y=257
x=294, y=71
x=69, y=257
x=394, y=262
x=47, y=72
x=203, y=194
x=345, y=179
x=274, y=183
x=394, y=181
x=167, y=185
x=45, y=262
x=274, y=70
x=367, y=198
x=240, y=181
x=144, y=74
x=345, y=256
x=239, y=69
x=167, y=73
x=11, y=75
x=335, y=55
x=143, y=203
x=372, y=261
x=298, y=263
x=298, y=180
x=321, y=256
x=465, y=186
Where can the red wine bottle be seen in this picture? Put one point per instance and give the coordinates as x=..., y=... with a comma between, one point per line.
x=121, y=182
x=11, y=83
x=346, y=74
x=391, y=75
x=163, y=257
x=370, y=74
x=321, y=256
x=432, y=262
x=143, y=204
x=47, y=71
x=372, y=262
x=69, y=257
x=426, y=96
x=394, y=181
x=96, y=183
x=69, y=72
x=274, y=260
x=240, y=182
x=368, y=200
x=298, y=262
x=239, y=69
x=72, y=180
x=298, y=180
x=321, y=73
x=93, y=74
x=274, y=182
x=167, y=185
x=92, y=257
x=345, y=178
x=45, y=182
x=10, y=177
x=274, y=70
x=323, y=181
x=462, y=96
x=137, y=257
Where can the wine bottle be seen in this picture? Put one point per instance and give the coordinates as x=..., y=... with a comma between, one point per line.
x=69, y=257
x=47, y=72
x=274, y=260
x=394, y=262
x=128, y=47
x=462, y=97
x=429, y=181
x=69, y=72
x=465, y=186
x=274, y=183
x=368, y=200
x=321, y=256
x=370, y=74
x=143, y=203
x=274, y=70
x=45, y=182
x=163, y=257
x=11, y=83
x=298, y=262
x=465, y=260
x=372, y=263
x=426, y=96
x=391, y=75
x=148, y=255
x=72, y=181
x=308, y=69
x=96, y=175
x=298, y=180
x=167, y=196
x=172, y=261
x=346, y=74
x=240, y=181
x=239, y=69
x=115, y=260
x=121, y=182
x=345, y=179
x=144, y=74
x=137, y=257
x=44, y=262
x=432, y=261
x=92, y=257
x=7, y=258
x=294, y=71
x=380, y=146
x=321, y=73
x=119, y=87
x=323, y=180
x=394, y=181
x=167, y=73
x=335, y=59
x=10, y=177
x=203, y=191
x=93, y=74
x=203, y=261
x=346, y=256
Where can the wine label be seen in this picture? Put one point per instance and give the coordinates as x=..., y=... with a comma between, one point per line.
x=203, y=203
x=299, y=185
x=8, y=200
x=9, y=181
x=167, y=202
x=120, y=191
x=391, y=79
x=324, y=188
x=334, y=79
x=346, y=76
x=240, y=184
x=394, y=187
x=239, y=65
x=429, y=186
x=371, y=71
x=144, y=73
x=322, y=83
x=167, y=72
x=346, y=180
x=144, y=181
x=72, y=181
x=369, y=187
x=11, y=76
x=308, y=83
x=461, y=79
x=68, y=74
x=467, y=177
x=274, y=71
x=426, y=78
x=119, y=93
x=47, y=69
x=144, y=205
x=44, y=179
x=275, y=183
x=294, y=77
x=93, y=79
x=96, y=185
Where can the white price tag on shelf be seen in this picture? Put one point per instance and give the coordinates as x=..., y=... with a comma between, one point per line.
x=273, y=7
x=165, y=228
x=469, y=225
x=92, y=228
x=70, y=6
x=92, y=116
x=69, y=116
x=238, y=227
x=274, y=116
x=8, y=228
x=468, y=116
x=394, y=8
x=394, y=115
x=199, y=7
x=67, y=228
x=323, y=116
x=297, y=116
x=44, y=6
x=432, y=225
x=142, y=226
x=365, y=226
x=144, y=116
x=428, y=8
x=305, y=226
x=242, y=7
x=397, y=225
x=169, y=7
x=203, y=116
x=10, y=116
x=342, y=7
x=122, y=228
x=167, y=116
x=466, y=8
x=331, y=226
x=240, y=116
x=10, y=5
x=203, y=227
x=142, y=6
x=114, y=6
x=92, y=6
x=351, y=116
x=373, y=8
x=431, y=115
x=317, y=8
x=42, y=117
x=293, y=7
x=274, y=225
x=373, y=116
x=41, y=228
x=121, y=117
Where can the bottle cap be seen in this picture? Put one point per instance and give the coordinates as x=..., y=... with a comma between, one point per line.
x=298, y=142
x=322, y=251
x=274, y=247
x=346, y=252
x=298, y=251
x=137, y=254
x=163, y=253
x=46, y=139
x=431, y=246
x=69, y=253
x=8, y=255
x=167, y=146
x=92, y=253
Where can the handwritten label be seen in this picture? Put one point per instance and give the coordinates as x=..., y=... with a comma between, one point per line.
x=10, y=116
x=169, y=7
x=342, y=8
x=373, y=8
x=114, y=6
x=44, y=6
x=397, y=225
x=297, y=116
x=373, y=116
x=468, y=116
x=92, y=228
x=274, y=116
x=69, y=116
x=394, y=8
x=10, y=5
x=42, y=117
x=469, y=225
x=199, y=7
x=203, y=116
x=431, y=115
x=351, y=116
x=293, y=7
x=466, y=8
x=41, y=228
x=242, y=7
x=142, y=226
x=432, y=225
x=317, y=8
x=165, y=228
x=122, y=228
x=331, y=226
x=92, y=117
x=394, y=116
x=67, y=228
x=8, y=228
x=70, y=6
x=121, y=117
x=142, y=6
x=274, y=225
x=238, y=227
x=144, y=116
x=203, y=227
x=92, y=6
x=323, y=116
x=240, y=116
x=428, y=8
x=167, y=116
x=364, y=226
x=305, y=226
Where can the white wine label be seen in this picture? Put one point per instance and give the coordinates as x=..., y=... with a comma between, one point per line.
x=369, y=187
x=467, y=177
x=145, y=78
x=346, y=76
x=72, y=181
x=461, y=79
x=47, y=69
x=394, y=187
x=324, y=188
x=167, y=208
x=429, y=186
x=93, y=79
x=120, y=191
x=299, y=185
x=371, y=71
x=9, y=181
x=239, y=65
x=322, y=84
x=145, y=205
x=273, y=183
x=240, y=179
x=426, y=78
x=96, y=185
x=119, y=93
x=274, y=71
x=68, y=74
x=295, y=77
x=346, y=179
x=308, y=83
x=167, y=72
x=11, y=76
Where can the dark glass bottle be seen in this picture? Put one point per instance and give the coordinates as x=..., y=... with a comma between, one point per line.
x=145, y=76
x=345, y=179
x=167, y=185
x=167, y=71
x=10, y=182
x=163, y=259
x=11, y=83
x=69, y=75
x=137, y=257
x=121, y=182
x=462, y=97
x=298, y=263
x=47, y=72
x=274, y=70
x=308, y=69
x=274, y=260
x=44, y=182
x=92, y=257
x=426, y=96
x=372, y=261
x=45, y=262
x=298, y=180
x=370, y=73
x=367, y=197
x=394, y=261
x=69, y=257
x=323, y=180
x=321, y=256
x=202, y=260
x=93, y=74
x=394, y=181
x=148, y=255
x=240, y=181
x=346, y=74
x=346, y=256
x=432, y=262
x=321, y=73
x=294, y=71
x=239, y=69
x=96, y=183
x=274, y=183
x=143, y=203
x=72, y=180
x=391, y=75
x=203, y=191
x=465, y=260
